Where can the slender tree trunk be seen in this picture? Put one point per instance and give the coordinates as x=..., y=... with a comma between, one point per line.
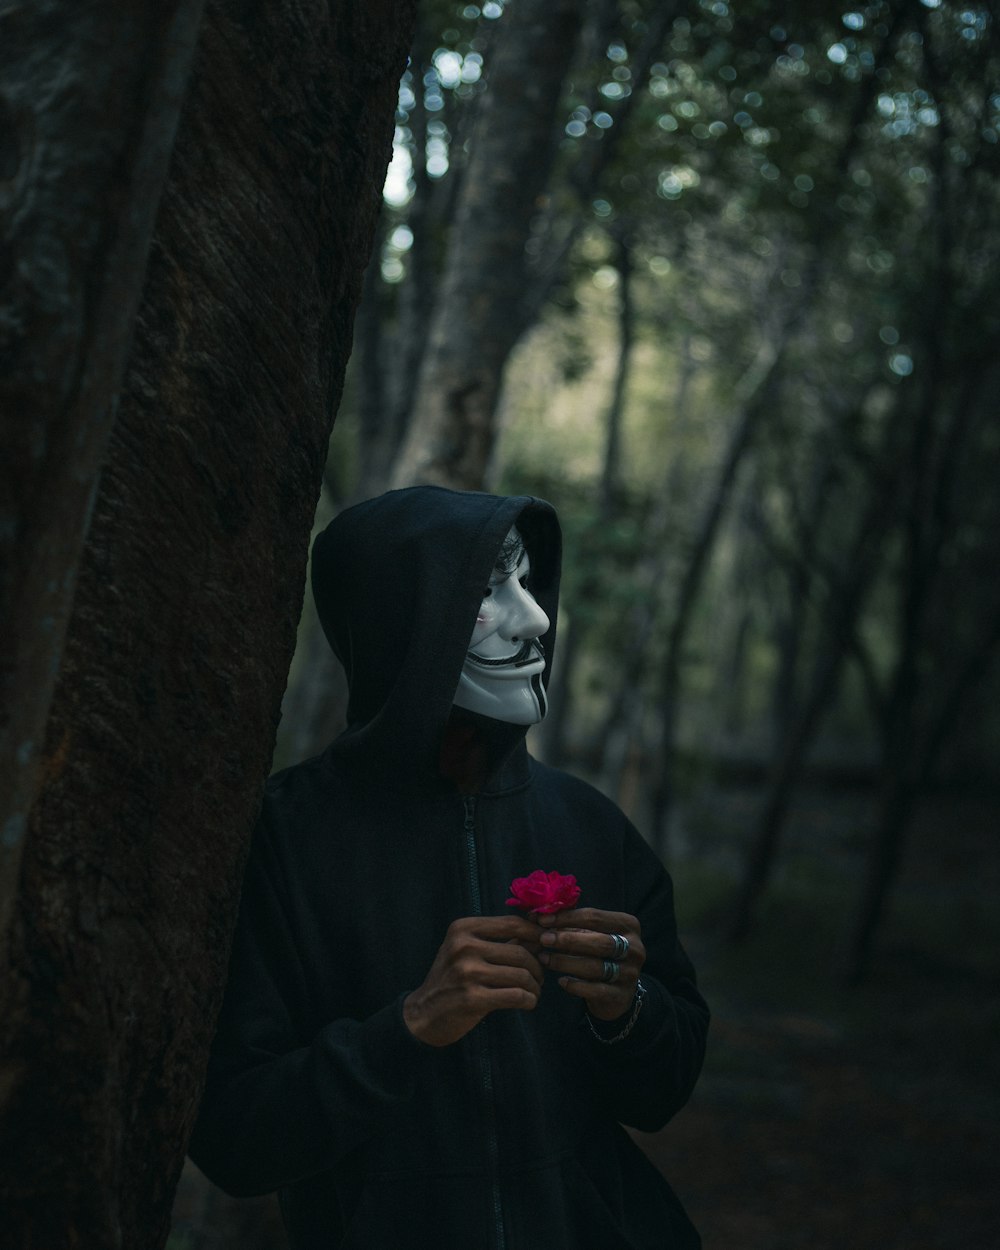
x=901, y=776
x=556, y=236
x=791, y=624
x=782, y=778
x=611, y=469
x=416, y=295
x=897, y=801
x=907, y=762
x=756, y=388
x=733, y=694
x=553, y=735
x=475, y=324
x=374, y=415
x=894, y=811
x=908, y=455
x=162, y=724
x=847, y=600
x=625, y=705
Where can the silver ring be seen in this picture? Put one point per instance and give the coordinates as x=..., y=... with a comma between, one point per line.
x=621, y=945
x=611, y=972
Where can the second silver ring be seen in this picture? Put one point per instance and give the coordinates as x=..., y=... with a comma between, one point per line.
x=621, y=945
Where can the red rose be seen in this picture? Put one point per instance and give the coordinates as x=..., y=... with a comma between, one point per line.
x=542, y=893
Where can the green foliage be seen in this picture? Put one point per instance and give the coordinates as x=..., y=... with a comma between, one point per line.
x=836, y=170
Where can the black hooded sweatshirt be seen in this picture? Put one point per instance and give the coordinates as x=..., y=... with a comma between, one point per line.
x=512, y=1138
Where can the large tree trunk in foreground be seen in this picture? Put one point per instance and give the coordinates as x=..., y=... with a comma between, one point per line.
x=78, y=201
x=189, y=589
x=475, y=326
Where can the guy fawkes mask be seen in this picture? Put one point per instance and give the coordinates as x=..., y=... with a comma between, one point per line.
x=502, y=674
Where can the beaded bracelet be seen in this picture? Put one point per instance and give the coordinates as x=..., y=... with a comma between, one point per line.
x=640, y=994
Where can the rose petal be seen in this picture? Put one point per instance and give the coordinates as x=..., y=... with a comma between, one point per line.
x=542, y=893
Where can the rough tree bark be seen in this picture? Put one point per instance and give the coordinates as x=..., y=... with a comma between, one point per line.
x=77, y=204
x=452, y=426
x=162, y=723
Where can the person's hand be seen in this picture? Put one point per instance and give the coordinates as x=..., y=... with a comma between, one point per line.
x=579, y=944
x=484, y=964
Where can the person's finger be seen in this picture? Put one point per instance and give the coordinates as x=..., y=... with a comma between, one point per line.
x=593, y=919
x=510, y=999
x=593, y=946
x=510, y=955
x=497, y=976
x=578, y=966
x=606, y=1002
x=498, y=928
x=581, y=942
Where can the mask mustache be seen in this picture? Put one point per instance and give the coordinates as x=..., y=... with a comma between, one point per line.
x=529, y=653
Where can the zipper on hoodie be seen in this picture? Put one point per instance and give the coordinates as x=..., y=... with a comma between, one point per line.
x=485, y=1065
x=471, y=855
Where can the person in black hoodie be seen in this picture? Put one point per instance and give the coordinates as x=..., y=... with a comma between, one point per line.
x=405, y=1059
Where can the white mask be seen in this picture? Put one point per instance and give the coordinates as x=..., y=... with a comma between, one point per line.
x=502, y=674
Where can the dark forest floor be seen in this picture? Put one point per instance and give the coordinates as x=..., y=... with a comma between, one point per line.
x=822, y=1131
x=865, y=1117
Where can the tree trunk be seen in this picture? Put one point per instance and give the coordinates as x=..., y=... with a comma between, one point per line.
x=733, y=690
x=374, y=413
x=894, y=811
x=416, y=293
x=476, y=322
x=78, y=199
x=897, y=801
x=552, y=736
x=909, y=756
x=554, y=240
x=625, y=705
x=611, y=469
x=847, y=600
x=755, y=391
x=162, y=724
x=791, y=619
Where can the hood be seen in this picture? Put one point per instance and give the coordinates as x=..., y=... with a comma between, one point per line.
x=398, y=581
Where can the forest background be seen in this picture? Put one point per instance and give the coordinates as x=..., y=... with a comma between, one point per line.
x=722, y=288
x=718, y=280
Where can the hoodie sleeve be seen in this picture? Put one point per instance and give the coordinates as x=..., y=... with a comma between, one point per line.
x=279, y=1107
x=645, y=1078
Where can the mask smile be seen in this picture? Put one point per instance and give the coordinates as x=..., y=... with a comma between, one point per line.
x=530, y=652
